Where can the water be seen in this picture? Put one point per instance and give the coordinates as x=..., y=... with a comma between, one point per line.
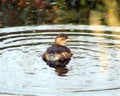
x=92, y=71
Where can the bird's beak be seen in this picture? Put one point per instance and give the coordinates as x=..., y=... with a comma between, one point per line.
x=68, y=39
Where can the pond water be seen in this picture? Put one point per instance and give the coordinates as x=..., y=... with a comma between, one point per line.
x=92, y=71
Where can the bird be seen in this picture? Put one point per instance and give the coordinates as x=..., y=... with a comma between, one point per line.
x=58, y=51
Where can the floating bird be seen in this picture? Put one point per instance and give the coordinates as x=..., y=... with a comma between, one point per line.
x=58, y=51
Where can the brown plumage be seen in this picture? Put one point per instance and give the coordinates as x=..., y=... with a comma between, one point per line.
x=58, y=51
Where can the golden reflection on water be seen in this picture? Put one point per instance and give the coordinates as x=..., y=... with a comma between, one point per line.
x=95, y=17
x=112, y=19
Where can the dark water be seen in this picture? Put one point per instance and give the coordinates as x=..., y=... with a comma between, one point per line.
x=92, y=71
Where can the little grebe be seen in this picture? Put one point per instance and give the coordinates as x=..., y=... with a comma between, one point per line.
x=58, y=51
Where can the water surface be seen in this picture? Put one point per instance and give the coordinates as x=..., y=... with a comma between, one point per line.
x=92, y=71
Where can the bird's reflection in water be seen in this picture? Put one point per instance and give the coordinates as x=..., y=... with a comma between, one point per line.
x=60, y=66
x=61, y=71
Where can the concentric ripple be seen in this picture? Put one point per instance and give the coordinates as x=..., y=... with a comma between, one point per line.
x=93, y=69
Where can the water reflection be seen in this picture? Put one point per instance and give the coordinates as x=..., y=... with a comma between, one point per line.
x=93, y=69
x=95, y=19
x=61, y=71
x=60, y=66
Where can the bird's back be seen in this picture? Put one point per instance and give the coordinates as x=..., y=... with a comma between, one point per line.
x=57, y=53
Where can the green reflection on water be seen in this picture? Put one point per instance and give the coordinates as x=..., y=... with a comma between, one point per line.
x=35, y=12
